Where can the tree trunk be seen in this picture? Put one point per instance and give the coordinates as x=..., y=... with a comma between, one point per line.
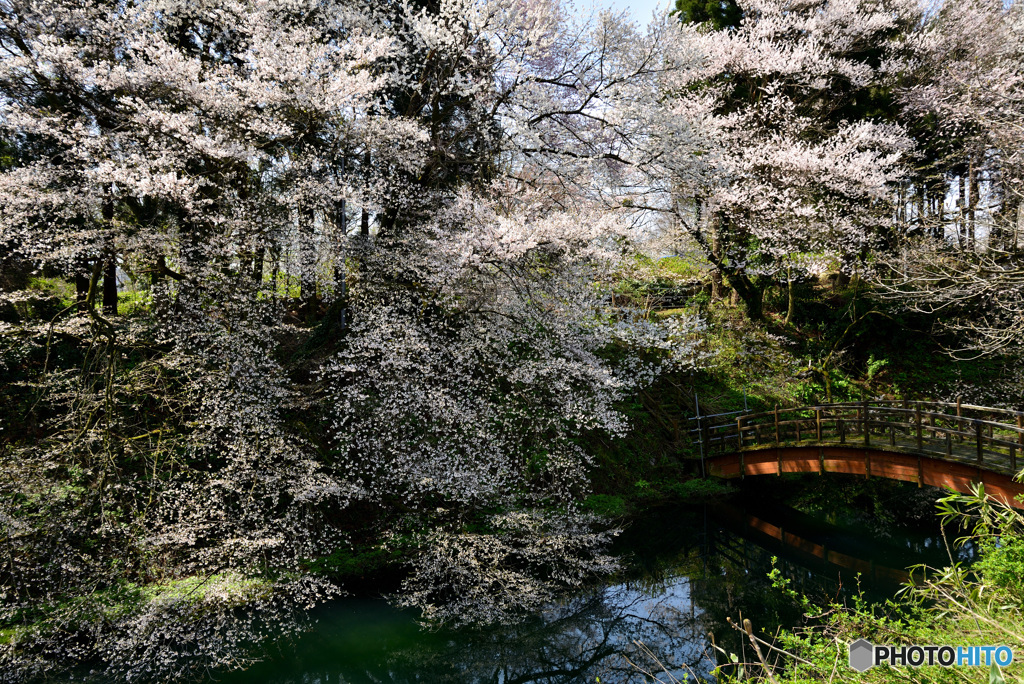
x=275, y=271
x=789, y=293
x=922, y=217
x=364, y=216
x=973, y=202
x=81, y=289
x=257, y=265
x=158, y=271
x=750, y=293
x=110, y=267
x=307, y=265
x=110, y=286
x=1018, y=227
x=961, y=226
x=716, y=275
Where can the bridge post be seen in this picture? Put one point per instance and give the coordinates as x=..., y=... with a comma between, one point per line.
x=979, y=436
x=739, y=433
x=959, y=420
x=867, y=428
x=778, y=439
x=1020, y=440
x=1020, y=426
x=916, y=419
x=817, y=420
x=841, y=426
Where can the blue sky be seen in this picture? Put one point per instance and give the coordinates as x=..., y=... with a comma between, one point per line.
x=641, y=9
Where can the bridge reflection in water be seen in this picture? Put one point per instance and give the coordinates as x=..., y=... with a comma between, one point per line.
x=931, y=443
x=828, y=550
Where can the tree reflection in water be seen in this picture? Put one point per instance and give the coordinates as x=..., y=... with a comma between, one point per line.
x=691, y=569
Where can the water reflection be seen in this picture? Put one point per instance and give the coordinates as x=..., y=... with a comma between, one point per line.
x=691, y=569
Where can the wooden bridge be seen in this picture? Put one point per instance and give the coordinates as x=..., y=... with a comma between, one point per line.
x=931, y=443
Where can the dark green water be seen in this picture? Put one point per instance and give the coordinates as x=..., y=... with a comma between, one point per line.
x=689, y=568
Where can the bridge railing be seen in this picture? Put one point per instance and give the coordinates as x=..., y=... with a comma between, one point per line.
x=952, y=431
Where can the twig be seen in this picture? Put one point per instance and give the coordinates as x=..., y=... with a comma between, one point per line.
x=748, y=627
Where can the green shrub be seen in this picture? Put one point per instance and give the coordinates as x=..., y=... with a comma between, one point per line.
x=1002, y=564
x=54, y=287
x=607, y=505
x=696, y=489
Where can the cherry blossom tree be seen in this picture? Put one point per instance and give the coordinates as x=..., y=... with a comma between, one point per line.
x=965, y=74
x=173, y=134
x=790, y=165
x=178, y=473
x=962, y=75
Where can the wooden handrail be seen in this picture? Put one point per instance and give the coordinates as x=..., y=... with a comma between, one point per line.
x=981, y=434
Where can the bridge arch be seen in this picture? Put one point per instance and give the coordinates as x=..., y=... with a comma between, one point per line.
x=930, y=443
x=893, y=465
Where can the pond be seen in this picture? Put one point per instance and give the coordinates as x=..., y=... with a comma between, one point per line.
x=688, y=569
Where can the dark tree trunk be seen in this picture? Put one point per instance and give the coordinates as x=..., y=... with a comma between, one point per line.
x=364, y=216
x=750, y=293
x=744, y=287
x=961, y=228
x=81, y=289
x=110, y=267
x=716, y=275
x=275, y=269
x=307, y=265
x=790, y=297
x=257, y=265
x=922, y=218
x=364, y=223
x=972, y=204
x=159, y=270
x=110, y=286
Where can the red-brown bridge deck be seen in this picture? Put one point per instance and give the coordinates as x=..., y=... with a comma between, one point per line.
x=894, y=465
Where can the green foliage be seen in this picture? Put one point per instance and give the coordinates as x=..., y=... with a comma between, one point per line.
x=698, y=490
x=1002, y=563
x=346, y=563
x=998, y=533
x=658, y=283
x=132, y=302
x=956, y=605
x=606, y=505
x=875, y=365
x=680, y=267
x=717, y=14
x=59, y=288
